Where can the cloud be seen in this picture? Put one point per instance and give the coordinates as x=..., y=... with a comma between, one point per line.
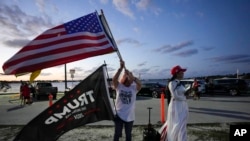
x=143, y=4
x=187, y=53
x=81, y=73
x=142, y=71
x=145, y=70
x=45, y=74
x=237, y=58
x=78, y=69
x=104, y=1
x=156, y=10
x=17, y=24
x=142, y=64
x=40, y=4
x=91, y=70
x=129, y=41
x=208, y=48
x=123, y=7
x=169, y=48
x=10, y=17
x=148, y=5
x=151, y=73
x=16, y=43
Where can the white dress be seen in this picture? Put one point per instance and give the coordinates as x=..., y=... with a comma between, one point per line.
x=177, y=113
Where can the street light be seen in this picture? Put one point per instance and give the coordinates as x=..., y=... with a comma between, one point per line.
x=72, y=72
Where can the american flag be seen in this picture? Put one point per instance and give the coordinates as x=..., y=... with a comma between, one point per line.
x=75, y=40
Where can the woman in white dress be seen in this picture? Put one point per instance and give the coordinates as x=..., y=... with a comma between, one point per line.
x=177, y=116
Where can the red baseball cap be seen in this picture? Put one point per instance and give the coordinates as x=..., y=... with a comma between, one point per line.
x=177, y=69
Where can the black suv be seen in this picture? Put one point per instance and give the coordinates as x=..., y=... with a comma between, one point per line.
x=152, y=89
x=232, y=86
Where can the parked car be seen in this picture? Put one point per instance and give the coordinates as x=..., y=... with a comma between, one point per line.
x=187, y=83
x=44, y=89
x=232, y=86
x=152, y=89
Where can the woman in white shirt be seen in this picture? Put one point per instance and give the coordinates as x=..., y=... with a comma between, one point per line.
x=126, y=91
x=177, y=116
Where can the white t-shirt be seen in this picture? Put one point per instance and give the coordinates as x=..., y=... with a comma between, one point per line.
x=125, y=101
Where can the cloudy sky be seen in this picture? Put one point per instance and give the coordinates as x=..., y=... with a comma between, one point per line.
x=208, y=37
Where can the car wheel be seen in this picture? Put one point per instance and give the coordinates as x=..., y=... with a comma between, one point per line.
x=233, y=92
x=155, y=94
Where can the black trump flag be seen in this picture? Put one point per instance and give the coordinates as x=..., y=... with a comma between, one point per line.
x=87, y=102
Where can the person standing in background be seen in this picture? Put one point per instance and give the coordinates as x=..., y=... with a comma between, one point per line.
x=25, y=90
x=126, y=91
x=195, y=89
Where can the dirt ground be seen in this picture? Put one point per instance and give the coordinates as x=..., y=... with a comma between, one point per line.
x=196, y=132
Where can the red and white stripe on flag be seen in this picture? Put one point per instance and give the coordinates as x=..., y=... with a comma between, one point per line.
x=75, y=40
x=163, y=132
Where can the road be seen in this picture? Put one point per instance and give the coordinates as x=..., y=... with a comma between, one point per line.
x=209, y=109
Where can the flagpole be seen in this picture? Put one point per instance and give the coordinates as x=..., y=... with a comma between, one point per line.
x=110, y=86
x=117, y=50
x=65, y=75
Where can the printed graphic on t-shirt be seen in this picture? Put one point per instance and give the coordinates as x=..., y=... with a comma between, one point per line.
x=125, y=96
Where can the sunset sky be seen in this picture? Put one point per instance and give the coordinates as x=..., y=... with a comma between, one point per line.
x=208, y=37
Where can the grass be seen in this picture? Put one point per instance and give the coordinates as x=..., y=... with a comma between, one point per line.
x=210, y=135
x=196, y=132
